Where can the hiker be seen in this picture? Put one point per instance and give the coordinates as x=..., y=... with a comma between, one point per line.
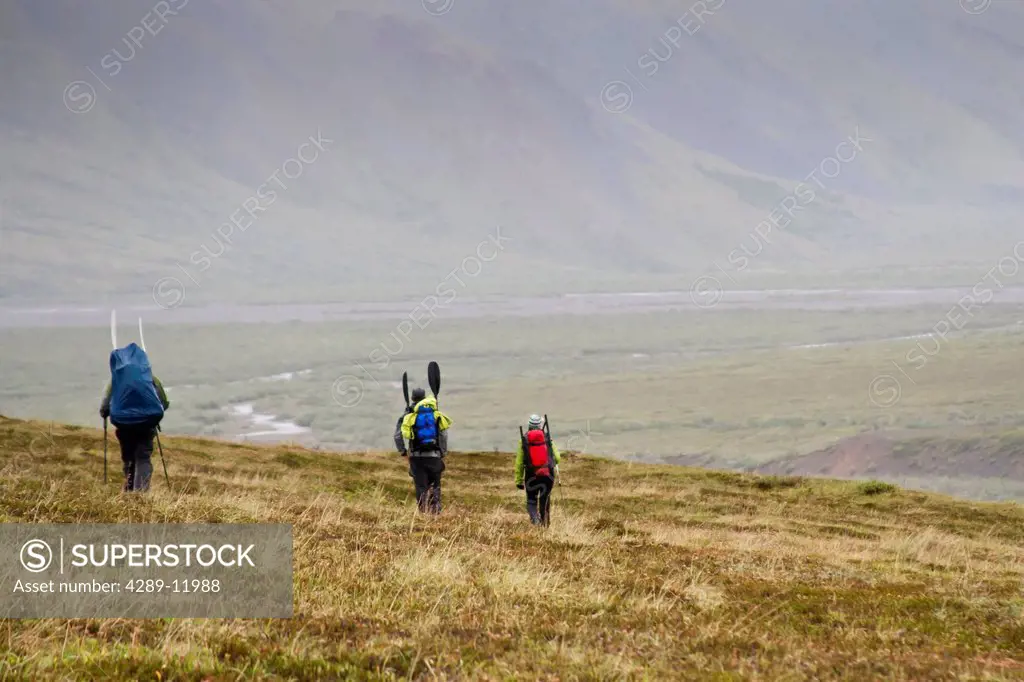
x=425, y=427
x=537, y=469
x=135, y=401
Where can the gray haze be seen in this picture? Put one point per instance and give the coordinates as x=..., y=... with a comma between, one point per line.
x=445, y=127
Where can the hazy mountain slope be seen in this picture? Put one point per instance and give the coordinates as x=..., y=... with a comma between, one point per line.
x=774, y=86
x=444, y=127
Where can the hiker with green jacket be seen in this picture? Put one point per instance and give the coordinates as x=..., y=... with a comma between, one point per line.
x=537, y=462
x=425, y=428
x=136, y=443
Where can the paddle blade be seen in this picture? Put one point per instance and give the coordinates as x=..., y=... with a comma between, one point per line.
x=434, y=377
x=142, y=340
x=405, y=387
x=113, y=328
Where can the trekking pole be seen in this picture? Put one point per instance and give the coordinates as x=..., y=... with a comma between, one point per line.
x=162, y=460
x=104, y=449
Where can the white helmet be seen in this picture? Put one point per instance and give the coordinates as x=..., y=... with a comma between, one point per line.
x=536, y=422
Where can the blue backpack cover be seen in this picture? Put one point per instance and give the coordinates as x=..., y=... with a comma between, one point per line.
x=133, y=397
x=425, y=427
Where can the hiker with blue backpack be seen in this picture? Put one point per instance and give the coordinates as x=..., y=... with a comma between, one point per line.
x=135, y=401
x=425, y=428
x=537, y=468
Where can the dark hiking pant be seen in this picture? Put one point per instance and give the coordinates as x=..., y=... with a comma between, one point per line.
x=136, y=456
x=426, y=473
x=538, y=499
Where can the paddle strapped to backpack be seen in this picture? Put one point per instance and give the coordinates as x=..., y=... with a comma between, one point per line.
x=537, y=455
x=134, y=401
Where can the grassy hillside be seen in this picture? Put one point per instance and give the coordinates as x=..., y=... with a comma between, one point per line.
x=647, y=572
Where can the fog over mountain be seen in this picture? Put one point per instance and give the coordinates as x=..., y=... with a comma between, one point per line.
x=600, y=139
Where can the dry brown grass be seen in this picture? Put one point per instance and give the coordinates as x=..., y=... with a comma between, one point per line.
x=648, y=572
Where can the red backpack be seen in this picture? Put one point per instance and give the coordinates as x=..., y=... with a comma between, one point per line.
x=537, y=454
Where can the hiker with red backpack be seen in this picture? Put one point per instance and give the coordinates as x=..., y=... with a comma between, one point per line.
x=425, y=428
x=537, y=469
x=135, y=401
